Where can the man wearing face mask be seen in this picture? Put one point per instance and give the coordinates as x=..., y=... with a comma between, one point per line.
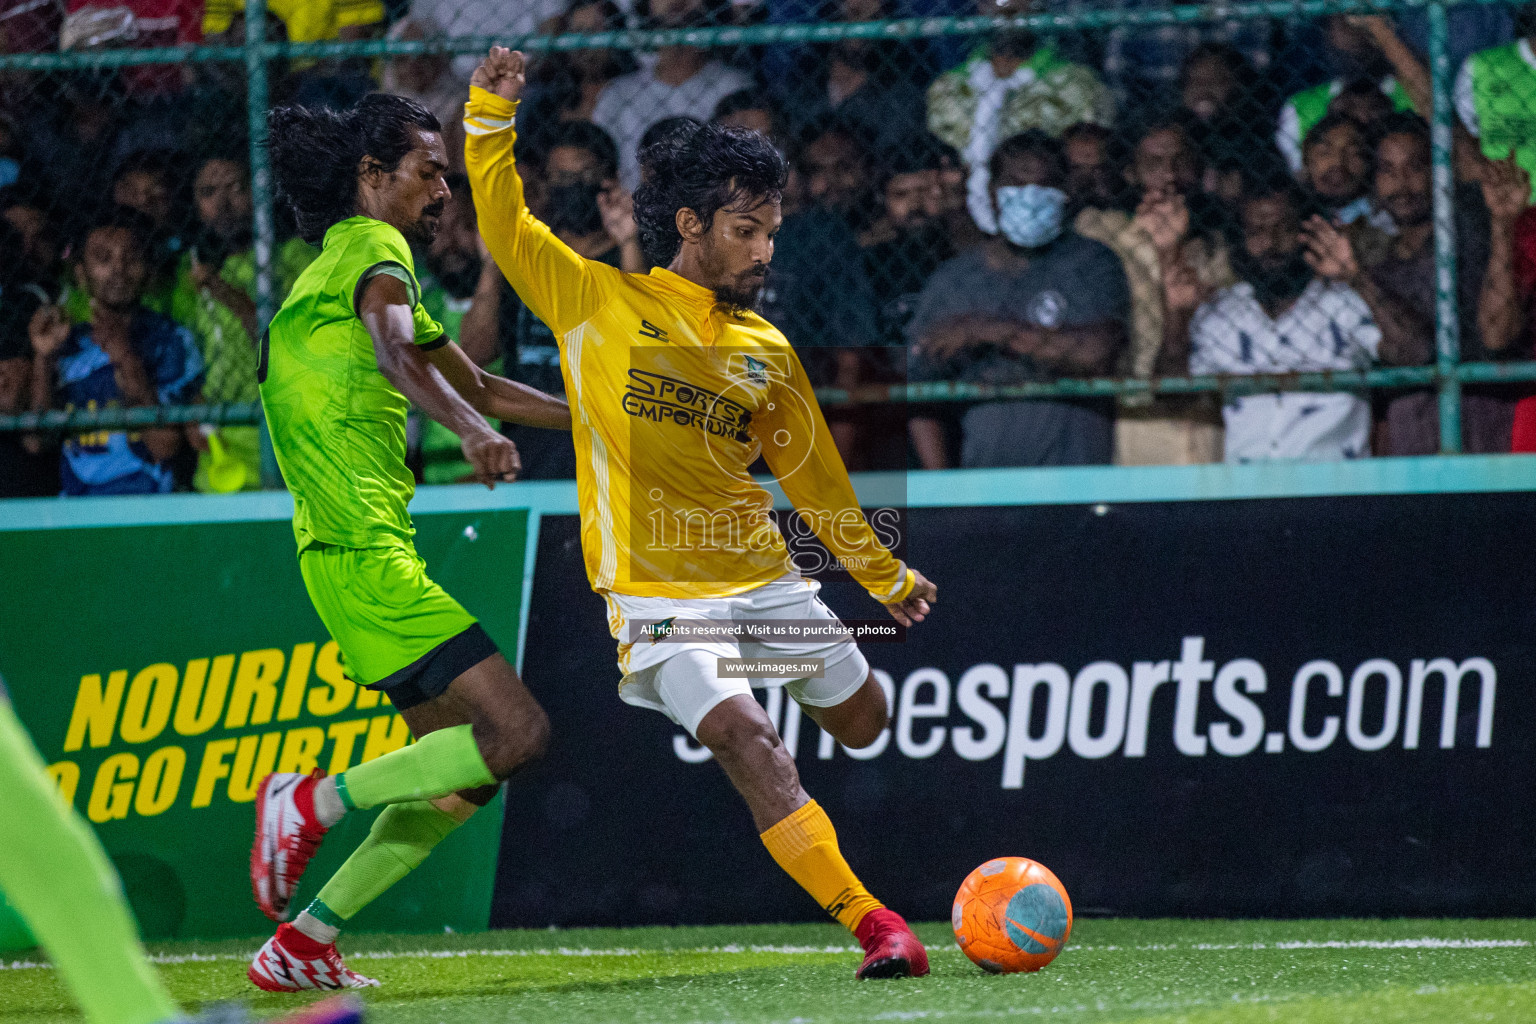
x=1037, y=303
x=583, y=202
x=1280, y=318
x=1014, y=83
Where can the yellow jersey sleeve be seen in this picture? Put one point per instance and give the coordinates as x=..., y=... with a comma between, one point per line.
x=560, y=287
x=798, y=447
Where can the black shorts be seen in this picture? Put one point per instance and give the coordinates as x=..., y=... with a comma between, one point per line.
x=429, y=675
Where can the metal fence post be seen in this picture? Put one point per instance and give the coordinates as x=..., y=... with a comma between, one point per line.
x=1447, y=323
x=261, y=194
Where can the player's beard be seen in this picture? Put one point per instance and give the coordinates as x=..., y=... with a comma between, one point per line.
x=742, y=294
x=424, y=232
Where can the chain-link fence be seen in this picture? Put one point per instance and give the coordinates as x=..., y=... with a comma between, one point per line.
x=1015, y=233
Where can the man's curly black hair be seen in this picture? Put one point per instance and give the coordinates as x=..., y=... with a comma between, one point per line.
x=705, y=168
x=315, y=153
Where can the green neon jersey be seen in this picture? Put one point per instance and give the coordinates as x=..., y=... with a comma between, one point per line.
x=338, y=425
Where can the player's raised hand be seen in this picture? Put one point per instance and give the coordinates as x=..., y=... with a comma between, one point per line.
x=915, y=607
x=501, y=73
x=491, y=456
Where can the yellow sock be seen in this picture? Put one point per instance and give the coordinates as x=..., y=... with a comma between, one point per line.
x=805, y=845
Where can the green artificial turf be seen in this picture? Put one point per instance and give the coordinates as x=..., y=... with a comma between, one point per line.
x=1159, y=972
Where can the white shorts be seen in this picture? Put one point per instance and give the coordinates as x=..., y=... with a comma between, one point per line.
x=680, y=678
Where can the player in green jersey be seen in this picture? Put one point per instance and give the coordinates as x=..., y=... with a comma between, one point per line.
x=344, y=358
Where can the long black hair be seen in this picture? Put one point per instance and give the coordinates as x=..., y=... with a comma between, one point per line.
x=315, y=153
x=705, y=168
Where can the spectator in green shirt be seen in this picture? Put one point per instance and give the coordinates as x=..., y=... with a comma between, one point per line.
x=452, y=271
x=216, y=296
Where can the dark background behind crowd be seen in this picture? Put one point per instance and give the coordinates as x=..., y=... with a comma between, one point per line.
x=1228, y=197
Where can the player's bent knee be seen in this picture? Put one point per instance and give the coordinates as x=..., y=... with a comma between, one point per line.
x=859, y=720
x=863, y=730
x=739, y=737
x=507, y=746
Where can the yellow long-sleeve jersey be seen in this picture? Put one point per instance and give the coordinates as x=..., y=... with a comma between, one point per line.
x=672, y=399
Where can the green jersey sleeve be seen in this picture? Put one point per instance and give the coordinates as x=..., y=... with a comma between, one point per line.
x=429, y=333
x=386, y=268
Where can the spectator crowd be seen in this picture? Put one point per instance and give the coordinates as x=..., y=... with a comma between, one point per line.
x=1223, y=197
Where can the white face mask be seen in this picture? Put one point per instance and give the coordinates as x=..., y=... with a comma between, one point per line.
x=1030, y=216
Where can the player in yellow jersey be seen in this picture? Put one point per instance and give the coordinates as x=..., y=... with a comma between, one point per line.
x=676, y=387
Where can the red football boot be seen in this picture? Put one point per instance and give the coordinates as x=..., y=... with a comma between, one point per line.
x=287, y=835
x=890, y=948
x=293, y=962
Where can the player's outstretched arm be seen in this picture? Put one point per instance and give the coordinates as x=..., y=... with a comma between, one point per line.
x=563, y=289
x=498, y=397
x=385, y=310
x=915, y=606
x=798, y=447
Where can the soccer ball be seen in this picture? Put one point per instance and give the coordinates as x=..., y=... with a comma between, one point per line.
x=1011, y=914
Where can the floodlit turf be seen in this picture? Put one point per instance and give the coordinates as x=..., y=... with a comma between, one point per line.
x=1158, y=972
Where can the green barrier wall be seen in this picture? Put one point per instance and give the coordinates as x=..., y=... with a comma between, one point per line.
x=163, y=669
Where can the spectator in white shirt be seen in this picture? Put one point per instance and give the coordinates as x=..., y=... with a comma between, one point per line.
x=683, y=81
x=1283, y=317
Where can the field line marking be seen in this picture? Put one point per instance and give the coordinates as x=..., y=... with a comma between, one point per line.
x=167, y=959
x=456, y=954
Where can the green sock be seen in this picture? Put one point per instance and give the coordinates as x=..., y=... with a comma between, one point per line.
x=399, y=841
x=54, y=871
x=439, y=763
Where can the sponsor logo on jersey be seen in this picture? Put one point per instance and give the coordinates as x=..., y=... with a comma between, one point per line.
x=662, y=399
x=650, y=330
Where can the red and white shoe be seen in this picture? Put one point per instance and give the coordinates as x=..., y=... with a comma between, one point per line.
x=890, y=948
x=287, y=835
x=293, y=962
